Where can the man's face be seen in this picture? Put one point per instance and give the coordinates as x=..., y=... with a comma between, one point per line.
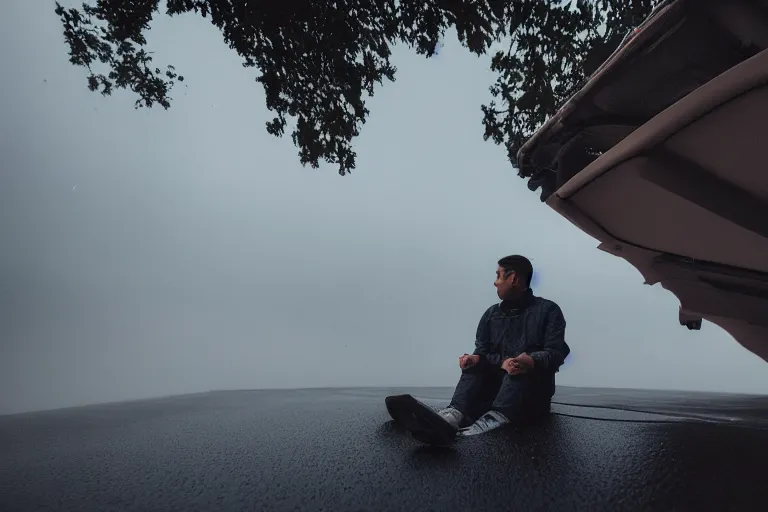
x=506, y=283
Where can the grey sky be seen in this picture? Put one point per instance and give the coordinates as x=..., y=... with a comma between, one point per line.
x=151, y=252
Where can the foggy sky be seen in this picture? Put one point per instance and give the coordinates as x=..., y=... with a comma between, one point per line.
x=150, y=252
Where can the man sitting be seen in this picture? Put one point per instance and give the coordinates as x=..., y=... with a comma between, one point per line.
x=520, y=345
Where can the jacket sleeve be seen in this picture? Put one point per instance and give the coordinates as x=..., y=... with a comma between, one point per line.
x=483, y=345
x=555, y=349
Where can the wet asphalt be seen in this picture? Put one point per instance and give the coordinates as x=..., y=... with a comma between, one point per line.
x=336, y=450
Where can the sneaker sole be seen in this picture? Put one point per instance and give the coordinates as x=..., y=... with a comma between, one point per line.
x=424, y=423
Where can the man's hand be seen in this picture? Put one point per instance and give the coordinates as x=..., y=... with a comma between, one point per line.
x=468, y=360
x=518, y=365
x=511, y=366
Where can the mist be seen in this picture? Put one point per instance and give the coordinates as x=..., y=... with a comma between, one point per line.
x=150, y=252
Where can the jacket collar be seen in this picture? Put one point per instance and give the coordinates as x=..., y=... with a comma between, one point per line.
x=519, y=303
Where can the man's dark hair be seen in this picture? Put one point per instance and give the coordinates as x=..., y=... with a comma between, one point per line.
x=520, y=265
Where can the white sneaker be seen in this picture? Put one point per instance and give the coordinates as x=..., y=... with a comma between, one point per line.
x=487, y=422
x=452, y=416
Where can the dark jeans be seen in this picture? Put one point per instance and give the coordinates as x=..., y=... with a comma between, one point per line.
x=519, y=398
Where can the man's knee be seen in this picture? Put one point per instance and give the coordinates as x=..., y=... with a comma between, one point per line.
x=482, y=366
x=476, y=391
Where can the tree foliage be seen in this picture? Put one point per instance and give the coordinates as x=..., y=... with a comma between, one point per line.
x=319, y=59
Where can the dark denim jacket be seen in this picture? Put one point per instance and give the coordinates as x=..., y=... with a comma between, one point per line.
x=532, y=325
